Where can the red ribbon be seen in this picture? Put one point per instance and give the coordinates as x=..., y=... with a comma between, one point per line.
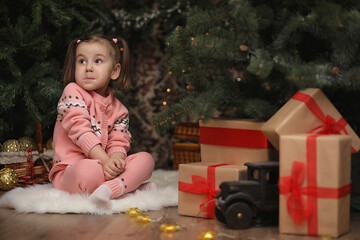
x=233, y=137
x=203, y=186
x=299, y=208
x=329, y=126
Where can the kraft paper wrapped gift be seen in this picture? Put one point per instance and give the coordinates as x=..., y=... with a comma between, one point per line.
x=198, y=184
x=314, y=184
x=234, y=141
x=308, y=111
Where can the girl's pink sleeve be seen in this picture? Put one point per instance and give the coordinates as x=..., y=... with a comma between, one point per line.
x=75, y=119
x=119, y=136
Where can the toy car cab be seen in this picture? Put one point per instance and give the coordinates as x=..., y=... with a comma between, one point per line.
x=239, y=202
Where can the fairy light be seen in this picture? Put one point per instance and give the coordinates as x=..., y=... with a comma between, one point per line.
x=168, y=90
x=164, y=103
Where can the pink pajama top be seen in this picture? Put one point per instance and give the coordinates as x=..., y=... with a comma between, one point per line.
x=84, y=120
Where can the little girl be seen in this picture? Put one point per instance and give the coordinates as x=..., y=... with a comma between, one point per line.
x=91, y=136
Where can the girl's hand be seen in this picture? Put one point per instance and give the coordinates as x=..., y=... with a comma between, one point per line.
x=113, y=167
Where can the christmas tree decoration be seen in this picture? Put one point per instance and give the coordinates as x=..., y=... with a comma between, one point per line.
x=8, y=179
x=189, y=87
x=169, y=227
x=133, y=212
x=244, y=48
x=30, y=168
x=11, y=145
x=26, y=143
x=335, y=70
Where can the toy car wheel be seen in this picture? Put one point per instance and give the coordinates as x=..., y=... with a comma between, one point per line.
x=239, y=215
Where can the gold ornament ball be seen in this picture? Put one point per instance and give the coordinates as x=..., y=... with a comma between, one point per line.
x=8, y=179
x=11, y=145
x=26, y=143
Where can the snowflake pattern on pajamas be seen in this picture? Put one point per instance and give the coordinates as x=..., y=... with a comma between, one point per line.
x=68, y=101
x=121, y=124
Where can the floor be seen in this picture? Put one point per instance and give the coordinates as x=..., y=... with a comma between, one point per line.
x=20, y=226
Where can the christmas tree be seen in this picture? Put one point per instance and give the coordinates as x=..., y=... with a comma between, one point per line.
x=245, y=59
x=33, y=40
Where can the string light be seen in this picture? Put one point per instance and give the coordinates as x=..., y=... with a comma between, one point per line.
x=164, y=103
x=168, y=90
x=207, y=235
x=169, y=227
x=133, y=212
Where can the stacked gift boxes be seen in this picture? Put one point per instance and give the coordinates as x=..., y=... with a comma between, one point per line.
x=226, y=144
x=315, y=144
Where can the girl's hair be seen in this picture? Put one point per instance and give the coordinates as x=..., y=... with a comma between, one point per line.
x=124, y=79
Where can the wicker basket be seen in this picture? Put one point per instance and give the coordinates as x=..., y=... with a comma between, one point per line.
x=29, y=172
x=187, y=131
x=185, y=153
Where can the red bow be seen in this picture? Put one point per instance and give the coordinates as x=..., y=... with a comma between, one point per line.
x=298, y=208
x=330, y=125
x=201, y=186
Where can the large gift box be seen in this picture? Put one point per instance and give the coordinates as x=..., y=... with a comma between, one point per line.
x=314, y=184
x=199, y=183
x=308, y=111
x=234, y=141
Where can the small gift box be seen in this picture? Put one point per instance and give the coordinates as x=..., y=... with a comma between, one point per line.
x=234, y=141
x=314, y=184
x=199, y=183
x=308, y=111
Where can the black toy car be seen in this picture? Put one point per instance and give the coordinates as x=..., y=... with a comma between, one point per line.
x=240, y=203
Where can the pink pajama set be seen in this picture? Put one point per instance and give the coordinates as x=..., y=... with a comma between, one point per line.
x=86, y=119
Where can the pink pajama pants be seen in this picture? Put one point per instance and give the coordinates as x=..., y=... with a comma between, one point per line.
x=87, y=174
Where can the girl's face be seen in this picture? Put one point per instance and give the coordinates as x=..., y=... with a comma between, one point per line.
x=95, y=67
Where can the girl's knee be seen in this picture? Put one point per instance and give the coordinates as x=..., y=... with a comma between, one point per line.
x=147, y=159
x=89, y=175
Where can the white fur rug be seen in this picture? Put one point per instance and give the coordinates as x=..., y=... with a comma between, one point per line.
x=46, y=199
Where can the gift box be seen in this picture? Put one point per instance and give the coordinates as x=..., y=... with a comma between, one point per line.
x=199, y=183
x=308, y=111
x=314, y=184
x=234, y=141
